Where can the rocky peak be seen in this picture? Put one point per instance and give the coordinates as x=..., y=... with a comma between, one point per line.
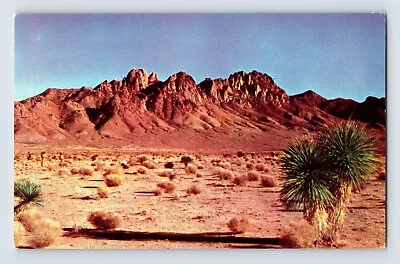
x=243, y=88
x=136, y=80
x=153, y=78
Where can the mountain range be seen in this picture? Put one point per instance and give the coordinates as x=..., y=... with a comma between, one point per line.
x=245, y=111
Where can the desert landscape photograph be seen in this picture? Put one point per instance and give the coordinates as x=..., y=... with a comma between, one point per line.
x=210, y=131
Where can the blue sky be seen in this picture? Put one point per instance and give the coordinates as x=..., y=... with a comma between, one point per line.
x=336, y=55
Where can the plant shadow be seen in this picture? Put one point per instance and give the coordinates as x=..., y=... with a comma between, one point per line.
x=209, y=237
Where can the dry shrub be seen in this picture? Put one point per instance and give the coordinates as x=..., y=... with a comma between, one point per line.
x=238, y=225
x=168, y=187
x=103, y=192
x=63, y=164
x=82, y=171
x=250, y=166
x=149, y=164
x=191, y=168
x=108, y=171
x=131, y=162
x=240, y=153
x=62, y=172
x=142, y=158
x=186, y=159
x=260, y=167
x=225, y=175
x=299, y=235
x=112, y=180
x=45, y=235
x=194, y=189
x=240, y=180
x=19, y=234
x=99, y=166
x=105, y=220
x=42, y=231
x=199, y=175
x=142, y=170
x=124, y=166
x=268, y=181
x=94, y=157
x=225, y=165
x=157, y=192
x=167, y=173
x=253, y=176
x=169, y=165
x=51, y=167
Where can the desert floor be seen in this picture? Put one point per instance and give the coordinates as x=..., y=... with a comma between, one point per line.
x=177, y=219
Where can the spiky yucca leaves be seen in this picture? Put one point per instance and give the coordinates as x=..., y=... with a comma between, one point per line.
x=29, y=194
x=306, y=184
x=349, y=155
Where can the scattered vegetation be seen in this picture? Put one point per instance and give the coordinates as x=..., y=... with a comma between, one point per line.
x=169, y=165
x=194, y=189
x=105, y=220
x=240, y=179
x=186, y=160
x=238, y=225
x=253, y=176
x=168, y=187
x=191, y=168
x=301, y=235
x=82, y=171
x=112, y=180
x=102, y=192
x=267, y=181
x=142, y=170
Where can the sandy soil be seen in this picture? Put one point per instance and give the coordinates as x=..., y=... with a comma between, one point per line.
x=70, y=198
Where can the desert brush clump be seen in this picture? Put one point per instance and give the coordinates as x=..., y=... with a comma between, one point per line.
x=82, y=171
x=250, y=166
x=186, y=160
x=320, y=174
x=267, y=181
x=40, y=231
x=299, y=235
x=194, y=189
x=168, y=187
x=63, y=172
x=108, y=171
x=142, y=158
x=238, y=225
x=149, y=164
x=142, y=170
x=191, y=169
x=157, y=191
x=167, y=173
x=260, y=167
x=223, y=174
x=253, y=176
x=112, y=180
x=103, y=192
x=169, y=165
x=105, y=220
x=240, y=179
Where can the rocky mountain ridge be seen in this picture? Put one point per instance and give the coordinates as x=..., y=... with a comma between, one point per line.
x=142, y=110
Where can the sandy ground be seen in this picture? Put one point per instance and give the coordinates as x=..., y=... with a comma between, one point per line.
x=70, y=198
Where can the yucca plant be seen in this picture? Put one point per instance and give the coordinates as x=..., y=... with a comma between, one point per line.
x=349, y=154
x=306, y=186
x=28, y=194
